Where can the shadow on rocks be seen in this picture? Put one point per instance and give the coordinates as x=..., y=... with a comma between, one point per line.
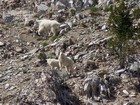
x=64, y=95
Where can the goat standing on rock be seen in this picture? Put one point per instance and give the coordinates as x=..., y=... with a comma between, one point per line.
x=65, y=62
x=49, y=26
x=53, y=63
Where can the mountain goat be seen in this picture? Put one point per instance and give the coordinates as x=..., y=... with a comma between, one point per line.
x=53, y=63
x=65, y=62
x=49, y=26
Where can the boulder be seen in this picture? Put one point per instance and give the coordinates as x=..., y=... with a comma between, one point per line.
x=78, y=4
x=8, y=17
x=135, y=66
x=91, y=83
x=42, y=8
x=60, y=5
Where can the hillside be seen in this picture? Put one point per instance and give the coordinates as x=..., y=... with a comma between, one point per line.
x=97, y=78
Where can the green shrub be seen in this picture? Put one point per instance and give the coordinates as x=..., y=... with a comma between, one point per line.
x=42, y=56
x=136, y=13
x=25, y=71
x=72, y=11
x=36, y=15
x=44, y=43
x=121, y=26
x=54, y=37
x=94, y=9
x=102, y=73
x=107, y=8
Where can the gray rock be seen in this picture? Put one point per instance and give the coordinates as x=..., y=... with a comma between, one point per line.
x=63, y=1
x=86, y=4
x=90, y=65
x=74, y=21
x=1, y=75
x=8, y=18
x=124, y=76
x=92, y=2
x=113, y=79
x=76, y=56
x=11, y=88
x=120, y=71
x=2, y=44
x=18, y=49
x=78, y=4
x=104, y=27
x=70, y=3
x=128, y=103
x=125, y=92
x=62, y=32
x=78, y=16
x=32, y=52
x=80, y=54
x=64, y=25
x=7, y=86
x=24, y=57
x=104, y=88
x=61, y=11
x=91, y=84
x=60, y=5
x=135, y=66
x=83, y=33
x=87, y=56
x=133, y=94
x=43, y=77
x=78, y=89
x=42, y=8
x=64, y=28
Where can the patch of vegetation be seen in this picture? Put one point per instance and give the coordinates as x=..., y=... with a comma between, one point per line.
x=54, y=37
x=42, y=56
x=121, y=26
x=72, y=11
x=94, y=9
x=83, y=25
x=136, y=13
x=44, y=43
x=107, y=8
x=102, y=73
x=25, y=71
x=36, y=15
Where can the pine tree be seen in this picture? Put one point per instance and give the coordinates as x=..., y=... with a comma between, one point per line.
x=121, y=26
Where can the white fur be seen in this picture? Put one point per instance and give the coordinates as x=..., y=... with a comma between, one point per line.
x=65, y=62
x=49, y=26
x=53, y=63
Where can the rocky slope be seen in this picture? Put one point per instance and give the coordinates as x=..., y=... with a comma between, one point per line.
x=97, y=79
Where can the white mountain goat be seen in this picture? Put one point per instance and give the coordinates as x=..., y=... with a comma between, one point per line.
x=53, y=63
x=48, y=26
x=65, y=62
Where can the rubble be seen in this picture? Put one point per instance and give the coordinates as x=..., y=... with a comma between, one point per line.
x=97, y=78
